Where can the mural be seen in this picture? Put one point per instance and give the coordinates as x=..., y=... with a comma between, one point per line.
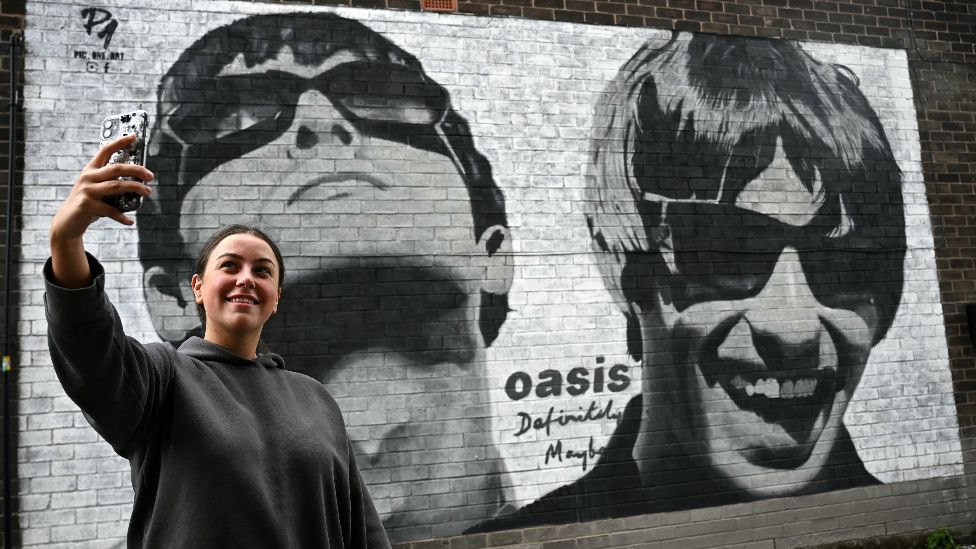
x=396, y=282
x=551, y=273
x=756, y=248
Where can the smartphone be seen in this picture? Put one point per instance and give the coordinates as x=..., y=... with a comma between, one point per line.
x=119, y=125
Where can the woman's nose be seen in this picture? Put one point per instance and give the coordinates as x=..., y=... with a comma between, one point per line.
x=245, y=280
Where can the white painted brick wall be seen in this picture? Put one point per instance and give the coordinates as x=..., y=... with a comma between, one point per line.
x=527, y=89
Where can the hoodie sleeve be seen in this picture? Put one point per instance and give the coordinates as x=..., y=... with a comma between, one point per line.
x=114, y=379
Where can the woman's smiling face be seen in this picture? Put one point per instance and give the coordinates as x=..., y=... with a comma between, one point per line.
x=239, y=288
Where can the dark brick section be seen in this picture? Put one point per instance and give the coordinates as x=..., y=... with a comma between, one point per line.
x=12, y=15
x=940, y=38
x=946, y=105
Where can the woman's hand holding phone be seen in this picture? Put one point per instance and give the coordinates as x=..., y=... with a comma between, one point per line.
x=86, y=203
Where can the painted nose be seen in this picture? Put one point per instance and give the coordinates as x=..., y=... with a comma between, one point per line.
x=317, y=122
x=306, y=138
x=784, y=319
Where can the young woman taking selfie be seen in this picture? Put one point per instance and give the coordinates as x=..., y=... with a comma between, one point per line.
x=227, y=448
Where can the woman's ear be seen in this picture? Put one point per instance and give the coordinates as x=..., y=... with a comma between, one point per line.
x=496, y=245
x=196, y=285
x=171, y=304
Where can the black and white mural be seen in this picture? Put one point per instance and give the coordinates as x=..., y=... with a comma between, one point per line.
x=397, y=248
x=551, y=273
x=746, y=210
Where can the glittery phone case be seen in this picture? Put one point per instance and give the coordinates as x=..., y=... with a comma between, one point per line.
x=119, y=125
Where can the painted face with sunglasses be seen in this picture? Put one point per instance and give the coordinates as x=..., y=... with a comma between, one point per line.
x=762, y=262
x=765, y=326
x=345, y=151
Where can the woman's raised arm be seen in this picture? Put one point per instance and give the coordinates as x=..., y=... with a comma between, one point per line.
x=85, y=205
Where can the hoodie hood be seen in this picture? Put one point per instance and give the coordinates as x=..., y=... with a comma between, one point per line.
x=206, y=351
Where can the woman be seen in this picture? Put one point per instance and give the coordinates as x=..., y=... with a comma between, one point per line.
x=227, y=448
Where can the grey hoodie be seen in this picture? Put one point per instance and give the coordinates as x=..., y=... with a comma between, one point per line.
x=225, y=451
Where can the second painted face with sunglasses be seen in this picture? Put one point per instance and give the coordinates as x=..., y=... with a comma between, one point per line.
x=762, y=334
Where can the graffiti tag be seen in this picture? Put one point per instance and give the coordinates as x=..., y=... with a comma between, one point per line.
x=103, y=24
x=95, y=17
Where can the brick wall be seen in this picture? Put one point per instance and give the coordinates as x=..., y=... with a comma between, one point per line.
x=73, y=491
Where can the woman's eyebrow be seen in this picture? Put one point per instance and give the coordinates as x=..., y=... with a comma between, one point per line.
x=241, y=258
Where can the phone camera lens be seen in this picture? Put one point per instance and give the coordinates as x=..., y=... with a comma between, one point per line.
x=107, y=123
x=106, y=133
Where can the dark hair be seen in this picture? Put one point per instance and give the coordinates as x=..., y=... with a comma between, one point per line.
x=215, y=239
x=698, y=117
x=312, y=38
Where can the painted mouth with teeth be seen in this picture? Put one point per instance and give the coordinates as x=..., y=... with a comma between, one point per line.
x=793, y=400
